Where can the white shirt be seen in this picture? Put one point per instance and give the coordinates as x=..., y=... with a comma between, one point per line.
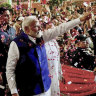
x=53, y=57
x=13, y=54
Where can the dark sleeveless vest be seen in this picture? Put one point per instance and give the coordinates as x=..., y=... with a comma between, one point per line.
x=32, y=74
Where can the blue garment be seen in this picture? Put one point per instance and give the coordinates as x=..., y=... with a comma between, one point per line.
x=32, y=74
x=4, y=37
x=12, y=33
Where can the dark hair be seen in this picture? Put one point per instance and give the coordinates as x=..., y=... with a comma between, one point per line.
x=94, y=24
x=80, y=38
x=17, y=19
x=2, y=10
x=44, y=24
x=76, y=27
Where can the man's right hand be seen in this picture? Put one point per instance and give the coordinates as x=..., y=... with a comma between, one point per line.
x=86, y=16
x=15, y=94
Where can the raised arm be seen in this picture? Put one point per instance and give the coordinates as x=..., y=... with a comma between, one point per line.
x=64, y=27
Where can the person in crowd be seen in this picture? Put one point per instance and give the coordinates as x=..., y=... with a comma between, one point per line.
x=80, y=29
x=4, y=40
x=17, y=26
x=27, y=68
x=83, y=56
x=53, y=57
x=92, y=33
x=4, y=44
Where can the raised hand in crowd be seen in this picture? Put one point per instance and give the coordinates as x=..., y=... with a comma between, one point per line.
x=15, y=94
x=1, y=78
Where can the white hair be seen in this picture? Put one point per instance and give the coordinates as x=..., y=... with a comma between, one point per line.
x=27, y=20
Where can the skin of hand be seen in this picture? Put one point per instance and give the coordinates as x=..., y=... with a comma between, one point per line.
x=63, y=80
x=1, y=77
x=15, y=94
x=94, y=71
x=95, y=67
x=86, y=16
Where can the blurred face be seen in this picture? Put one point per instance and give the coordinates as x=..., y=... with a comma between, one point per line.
x=58, y=18
x=5, y=27
x=34, y=28
x=19, y=22
x=6, y=15
x=55, y=22
x=48, y=26
x=83, y=44
x=4, y=18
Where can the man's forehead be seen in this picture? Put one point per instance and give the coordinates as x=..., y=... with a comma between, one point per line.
x=36, y=21
x=33, y=22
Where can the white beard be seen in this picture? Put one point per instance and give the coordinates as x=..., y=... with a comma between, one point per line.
x=39, y=34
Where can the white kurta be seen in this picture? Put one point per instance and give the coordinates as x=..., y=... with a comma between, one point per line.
x=53, y=56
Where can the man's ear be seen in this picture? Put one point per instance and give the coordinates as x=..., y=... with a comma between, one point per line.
x=26, y=29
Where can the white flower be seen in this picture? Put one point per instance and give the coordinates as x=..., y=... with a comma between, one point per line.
x=69, y=82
